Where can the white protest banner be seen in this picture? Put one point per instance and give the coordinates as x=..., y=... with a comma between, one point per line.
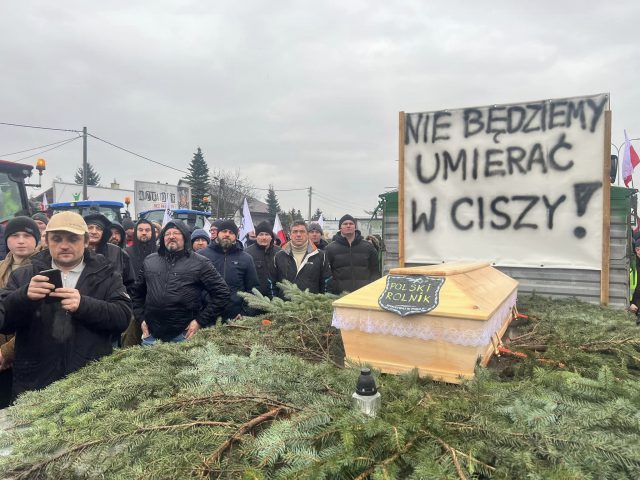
x=515, y=185
x=247, y=223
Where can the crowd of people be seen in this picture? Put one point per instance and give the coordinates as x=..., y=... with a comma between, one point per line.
x=72, y=288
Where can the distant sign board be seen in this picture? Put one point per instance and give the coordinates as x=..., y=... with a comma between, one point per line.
x=72, y=192
x=150, y=195
x=517, y=185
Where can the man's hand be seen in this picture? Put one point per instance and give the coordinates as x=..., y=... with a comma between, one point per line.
x=633, y=308
x=39, y=287
x=145, y=329
x=70, y=298
x=193, y=327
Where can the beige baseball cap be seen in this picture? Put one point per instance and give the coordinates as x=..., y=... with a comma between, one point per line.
x=67, y=222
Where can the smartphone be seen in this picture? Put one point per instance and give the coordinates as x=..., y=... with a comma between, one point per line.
x=55, y=277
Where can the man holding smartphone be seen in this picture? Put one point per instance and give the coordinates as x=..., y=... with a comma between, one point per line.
x=75, y=326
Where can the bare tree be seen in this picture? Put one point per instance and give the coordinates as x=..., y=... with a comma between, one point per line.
x=228, y=190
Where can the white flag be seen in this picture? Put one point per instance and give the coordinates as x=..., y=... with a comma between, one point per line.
x=321, y=221
x=207, y=226
x=247, y=224
x=278, y=230
x=168, y=214
x=45, y=204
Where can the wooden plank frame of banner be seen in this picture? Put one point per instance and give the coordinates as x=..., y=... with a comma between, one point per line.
x=606, y=211
x=401, y=189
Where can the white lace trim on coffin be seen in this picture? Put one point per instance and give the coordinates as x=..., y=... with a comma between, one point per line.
x=426, y=328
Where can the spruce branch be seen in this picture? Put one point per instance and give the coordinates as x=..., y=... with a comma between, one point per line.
x=207, y=469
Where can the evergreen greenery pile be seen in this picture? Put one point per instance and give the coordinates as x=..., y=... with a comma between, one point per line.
x=198, y=178
x=266, y=398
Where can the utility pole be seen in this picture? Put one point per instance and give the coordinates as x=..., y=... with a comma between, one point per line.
x=84, y=163
x=310, y=193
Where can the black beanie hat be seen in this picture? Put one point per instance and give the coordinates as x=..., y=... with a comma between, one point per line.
x=40, y=216
x=346, y=217
x=228, y=225
x=22, y=224
x=127, y=224
x=264, y=227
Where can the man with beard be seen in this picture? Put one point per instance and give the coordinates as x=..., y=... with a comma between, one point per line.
x=117, y=235
x=235, y=266
x=172, y=282
x=354, y=261
x=263, y=253
x=302, y=263
x=144, y=244
x=55, y=338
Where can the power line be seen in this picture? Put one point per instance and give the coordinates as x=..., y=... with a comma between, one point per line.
x=136, y=154
x=284, y=189
x=36, y=148
x=341, y=202
x=40, y=128
x=47, y=150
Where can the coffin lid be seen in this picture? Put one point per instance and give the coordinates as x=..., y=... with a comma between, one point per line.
x=472, y=290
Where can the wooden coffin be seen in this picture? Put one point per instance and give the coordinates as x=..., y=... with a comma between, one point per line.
x=470, y=307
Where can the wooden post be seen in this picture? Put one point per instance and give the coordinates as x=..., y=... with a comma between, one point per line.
x=401, y=190
x=606, y=211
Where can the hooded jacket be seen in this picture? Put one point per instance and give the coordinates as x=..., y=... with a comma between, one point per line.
x=51, y=343
x=171, y=285
x=264, y=261
x=314, y=273
x=237, y=269
x=352, y=266
x=117, y=256
x=139, y=250
x=123, y=235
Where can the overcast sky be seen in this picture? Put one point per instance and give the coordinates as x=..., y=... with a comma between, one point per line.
x=293, y=94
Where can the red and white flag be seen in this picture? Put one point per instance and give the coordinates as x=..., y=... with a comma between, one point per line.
x=278, y=231
x=629, y=161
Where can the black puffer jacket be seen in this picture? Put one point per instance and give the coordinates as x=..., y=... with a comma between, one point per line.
x=50, y=343
x=139, y=251
x=314, y=273
x=264, y=261
x=237, y=269
x=352, y=266
x=170, y=286
x=123, y=235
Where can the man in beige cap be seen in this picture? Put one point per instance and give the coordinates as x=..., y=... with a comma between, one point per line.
x=59, y=329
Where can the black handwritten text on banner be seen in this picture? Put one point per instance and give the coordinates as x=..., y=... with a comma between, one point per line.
x=517, y=184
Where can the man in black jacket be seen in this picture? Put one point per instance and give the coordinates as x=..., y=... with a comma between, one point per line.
x=144, y=244
x=354, y=261
x=57, y=337
x=235, y=266
x=302, y=263
x=170, y=288
x=99, y=233
x=263, y=253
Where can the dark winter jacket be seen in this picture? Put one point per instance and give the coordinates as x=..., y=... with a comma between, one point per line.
x=314, y=273
x=237, y=269
x=352, y=266
x=171, y=285
x=51, y=343
x=117, y=256
x=123, y=235
x=322, y=244
x=139, y=251
x=264, y=261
